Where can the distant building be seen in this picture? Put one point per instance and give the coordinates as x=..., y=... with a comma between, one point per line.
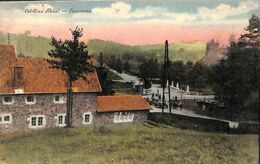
x=33, y=96
x=214, y=53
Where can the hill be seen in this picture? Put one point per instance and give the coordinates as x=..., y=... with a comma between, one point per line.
x=182, y=51
x=27, y=45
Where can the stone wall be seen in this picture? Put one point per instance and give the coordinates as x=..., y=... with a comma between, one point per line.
x=45, y=106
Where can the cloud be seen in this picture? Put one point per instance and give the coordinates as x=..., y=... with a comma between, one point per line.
x=222, y=11
x=15, y=20
x=121, y=11
x=40, y=6
x=118, y=10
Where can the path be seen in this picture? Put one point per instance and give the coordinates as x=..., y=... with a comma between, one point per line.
x=185, y=112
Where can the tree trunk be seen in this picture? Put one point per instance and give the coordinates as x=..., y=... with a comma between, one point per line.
x=69, y=105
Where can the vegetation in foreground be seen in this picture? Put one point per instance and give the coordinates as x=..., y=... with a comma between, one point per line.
x=127, y=144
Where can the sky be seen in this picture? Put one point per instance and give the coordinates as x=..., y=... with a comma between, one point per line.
x=132, y=22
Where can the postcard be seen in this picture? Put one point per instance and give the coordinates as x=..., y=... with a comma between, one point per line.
x=129, y=81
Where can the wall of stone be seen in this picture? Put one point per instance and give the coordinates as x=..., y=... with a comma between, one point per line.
x=45, y=106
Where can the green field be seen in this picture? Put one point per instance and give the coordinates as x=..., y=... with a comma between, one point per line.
x=127, y=144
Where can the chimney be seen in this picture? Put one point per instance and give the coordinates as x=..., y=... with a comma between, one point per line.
x=18, y=78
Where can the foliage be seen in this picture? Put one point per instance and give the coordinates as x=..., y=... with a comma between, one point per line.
x=72, y=57
x=105, y=80
x=252, y=37
x=127, y=144
x=198, y=76
x=237, y=79
x=177, y=72
x=148, y=70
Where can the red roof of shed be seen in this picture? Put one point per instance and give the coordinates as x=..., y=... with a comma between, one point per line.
x=121, y=103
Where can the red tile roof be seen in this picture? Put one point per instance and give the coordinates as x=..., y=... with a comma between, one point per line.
x=121, y=103
x=38, y=77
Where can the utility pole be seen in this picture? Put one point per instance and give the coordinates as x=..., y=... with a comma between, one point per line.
x=101, y=60
x=164, y=75
x=168, y=75
x=8, y=38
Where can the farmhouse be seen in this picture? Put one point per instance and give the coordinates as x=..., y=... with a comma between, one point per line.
x=34, y=96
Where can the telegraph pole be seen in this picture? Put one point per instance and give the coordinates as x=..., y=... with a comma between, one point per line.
x=164, y=74
x=168, y=76
x=8, y=38
x=101, y=60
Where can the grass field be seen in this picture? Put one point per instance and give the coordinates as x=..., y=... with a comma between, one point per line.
x=127, y=144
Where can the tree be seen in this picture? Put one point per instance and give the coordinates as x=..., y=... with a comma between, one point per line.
x=252, y=37
x=126, y=66
x=188, y=67
x=118, y=65
x=103, y=77
x=236, y=79
x=149, y=69
x=177, y=72
x=198, y=76
x=72, y=57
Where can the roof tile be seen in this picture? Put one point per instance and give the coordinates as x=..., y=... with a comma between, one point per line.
x=38, y=77
x=121, y=103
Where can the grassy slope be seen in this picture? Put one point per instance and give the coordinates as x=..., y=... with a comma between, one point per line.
x=127, y=144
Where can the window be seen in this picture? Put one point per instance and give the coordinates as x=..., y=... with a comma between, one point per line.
x=123, y=117
x=5, y=118
x=37, y=121
x=87, y=118
x=40, y=121
x=34, y=121
x=61, y=120
x=116, y=117
x=59, y=99
x=30, y=99
x=7, y=100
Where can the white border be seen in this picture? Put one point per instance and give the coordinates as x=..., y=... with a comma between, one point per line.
x=90, y=118
x=4, y=122
x=61, y=97
x=37, y=116
x=8, y=103
x=30, y=103
x=63, y=120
